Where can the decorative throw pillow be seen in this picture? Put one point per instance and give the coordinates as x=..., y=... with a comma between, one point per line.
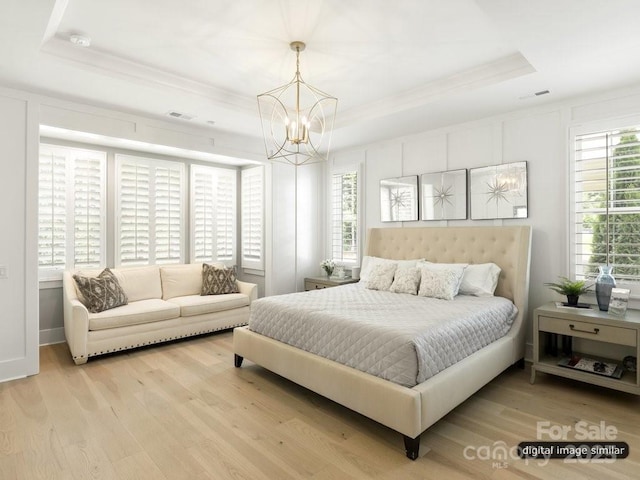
x=439, y=283
x=480, y=279
x=218, y=280
x=406, y=280
x=102, y=292
x=368, y=263
x=458, y=268
x=381, y=276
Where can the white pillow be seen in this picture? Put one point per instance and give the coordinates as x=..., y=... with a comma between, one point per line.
x=439, y=283
x=369, y=262
x=381, y=276
x=406, y=280
x=458, y=268
x=480, y=279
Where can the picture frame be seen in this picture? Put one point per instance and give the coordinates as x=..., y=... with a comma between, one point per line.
x=443, y=195
x=499, y=191
x=399, y=199
x=619, y=301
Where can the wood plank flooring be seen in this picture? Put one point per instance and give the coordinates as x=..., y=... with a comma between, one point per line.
x=182, y=411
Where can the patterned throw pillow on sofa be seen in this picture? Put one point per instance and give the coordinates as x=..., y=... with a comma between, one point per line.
x=218, y=280
x=102, y=292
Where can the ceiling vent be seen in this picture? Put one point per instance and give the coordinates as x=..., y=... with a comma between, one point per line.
x=182, y=116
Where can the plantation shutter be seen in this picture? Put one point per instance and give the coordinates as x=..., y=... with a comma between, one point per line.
x=150, y=211
x=607, y=204
x=203, y=213
x=168, y=214
x=344, y=214
x=213, y=217
x=52, y=210
x=71, y=210
x=226, y=215
x=252, y=217
x=88, y=212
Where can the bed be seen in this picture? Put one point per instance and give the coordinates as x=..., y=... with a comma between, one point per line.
x=411, y=410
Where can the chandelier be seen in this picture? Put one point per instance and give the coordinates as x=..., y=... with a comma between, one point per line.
x=297, y=120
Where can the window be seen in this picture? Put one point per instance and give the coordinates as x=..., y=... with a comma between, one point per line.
x=98, y=208
x=252, y=201
x=71, y=210
x=606, y=203
x=344, y=217
x=213, y=214
x=150, y=221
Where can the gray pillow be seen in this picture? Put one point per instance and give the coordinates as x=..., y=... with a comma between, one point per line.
x=218, y=281
x=102, y=292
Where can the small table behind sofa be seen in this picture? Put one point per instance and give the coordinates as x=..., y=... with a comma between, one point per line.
x=164, y=303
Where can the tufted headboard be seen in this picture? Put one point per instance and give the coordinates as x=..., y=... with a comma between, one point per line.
x=507, y=247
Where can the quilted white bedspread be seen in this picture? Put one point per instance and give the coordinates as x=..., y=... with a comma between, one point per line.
x=402, y=338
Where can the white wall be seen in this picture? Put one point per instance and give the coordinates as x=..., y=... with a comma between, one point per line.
x=18, y=218
x=295, y=203
x=538, y=136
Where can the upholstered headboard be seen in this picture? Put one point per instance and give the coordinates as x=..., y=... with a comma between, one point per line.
x=507, y=247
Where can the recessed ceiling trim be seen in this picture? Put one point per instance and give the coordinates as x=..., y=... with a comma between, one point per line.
x=117, y=67
x=506, y=68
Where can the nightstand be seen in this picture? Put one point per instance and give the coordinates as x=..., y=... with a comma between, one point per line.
x=557, y=329
x=315, y=283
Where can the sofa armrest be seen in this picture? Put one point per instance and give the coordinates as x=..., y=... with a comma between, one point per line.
x=76, y=320
x=249, y=289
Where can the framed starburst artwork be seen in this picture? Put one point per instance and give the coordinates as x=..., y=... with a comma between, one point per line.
x=499, y=191
x=443, y=195
x=399, y=199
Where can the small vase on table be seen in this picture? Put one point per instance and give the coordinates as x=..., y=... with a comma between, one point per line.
x=604, y=283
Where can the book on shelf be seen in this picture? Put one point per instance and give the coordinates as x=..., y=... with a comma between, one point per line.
x=566, y=305
x=591, y=365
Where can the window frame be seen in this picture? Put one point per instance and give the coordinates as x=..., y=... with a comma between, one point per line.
x=51, y=273
x=215, y=171
x=153, y=164
x=342, y=170
x=575, y=131
x=250, y=263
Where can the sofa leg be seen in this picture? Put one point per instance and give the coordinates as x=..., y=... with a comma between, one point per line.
x=80, y=360
x=411, y=446
x=237, y=360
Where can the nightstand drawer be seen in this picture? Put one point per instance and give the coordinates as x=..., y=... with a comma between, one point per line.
x=594, y=331
x=315, y=286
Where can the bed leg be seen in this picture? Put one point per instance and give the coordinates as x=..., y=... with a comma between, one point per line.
x=237, y=360
x=411, y=446
x=520, y=364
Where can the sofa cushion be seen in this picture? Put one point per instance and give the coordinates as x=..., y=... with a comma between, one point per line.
x=218, y=280
x=135, y=313
x=181, y=280
x=197, y=305
x=102, y=292
x=140, y=283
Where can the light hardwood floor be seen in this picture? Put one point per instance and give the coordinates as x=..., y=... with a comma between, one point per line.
x=182, y=411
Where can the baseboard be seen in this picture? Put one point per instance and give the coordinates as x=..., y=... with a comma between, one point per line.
x=53, y=335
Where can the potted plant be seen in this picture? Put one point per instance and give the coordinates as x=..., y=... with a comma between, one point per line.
x=328, y=265
x=571, y=288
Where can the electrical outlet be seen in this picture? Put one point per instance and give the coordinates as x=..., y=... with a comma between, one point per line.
x=3, y=272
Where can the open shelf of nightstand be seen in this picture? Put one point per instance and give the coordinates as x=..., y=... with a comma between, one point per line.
x=592, y=325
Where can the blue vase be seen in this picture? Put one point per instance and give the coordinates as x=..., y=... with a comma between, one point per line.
x=604, y=283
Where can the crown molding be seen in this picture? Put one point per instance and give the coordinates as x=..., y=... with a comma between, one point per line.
x=93, y=59
x=491, y=73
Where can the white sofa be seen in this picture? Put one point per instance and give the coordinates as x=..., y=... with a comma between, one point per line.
x=164, y=303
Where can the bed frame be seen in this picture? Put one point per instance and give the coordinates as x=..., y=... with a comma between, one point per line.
x=411, y=411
